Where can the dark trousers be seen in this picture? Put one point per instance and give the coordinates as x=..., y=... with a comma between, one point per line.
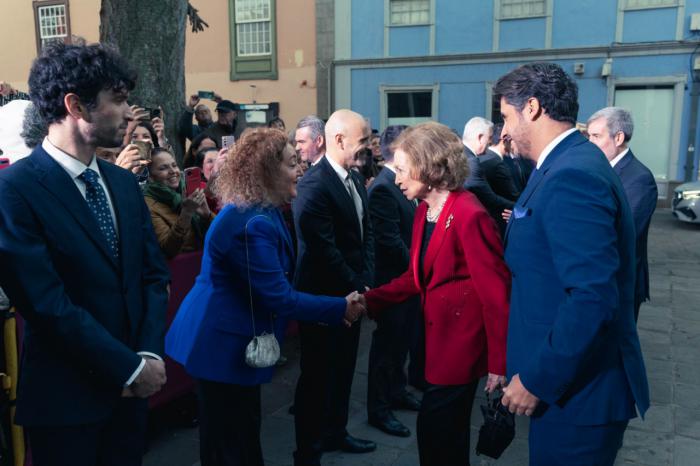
x=117, y=441
x=443, y=424
x=229, y=424
x=558, y=444
x=391, y=342
x=416, y=350
x=322, y=398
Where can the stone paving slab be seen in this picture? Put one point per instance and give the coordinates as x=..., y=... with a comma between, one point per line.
x=669, y=329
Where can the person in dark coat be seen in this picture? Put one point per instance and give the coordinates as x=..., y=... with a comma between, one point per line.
x=611, y=130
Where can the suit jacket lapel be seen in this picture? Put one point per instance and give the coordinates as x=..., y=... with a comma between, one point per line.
x=439, y=234
x=418, y=229
x=619, y=166
x=338, y=187
x=538, y=174
x=286, y=238
x=55, y=179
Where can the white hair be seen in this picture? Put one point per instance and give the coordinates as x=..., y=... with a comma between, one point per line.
x=475, y=127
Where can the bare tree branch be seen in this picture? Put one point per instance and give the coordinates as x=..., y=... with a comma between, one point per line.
x=198, y=24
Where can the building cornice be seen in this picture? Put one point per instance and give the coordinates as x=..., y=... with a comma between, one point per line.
x=612, y=51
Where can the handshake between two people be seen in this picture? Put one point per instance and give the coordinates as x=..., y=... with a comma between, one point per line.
x=356, y=307
x=149, y=381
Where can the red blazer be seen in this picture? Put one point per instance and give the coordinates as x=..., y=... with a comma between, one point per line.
x=464, y=288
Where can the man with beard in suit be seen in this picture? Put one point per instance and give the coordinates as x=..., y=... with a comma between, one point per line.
x=81, y=263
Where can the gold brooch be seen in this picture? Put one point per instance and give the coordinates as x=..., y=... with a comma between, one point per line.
x=449, y=220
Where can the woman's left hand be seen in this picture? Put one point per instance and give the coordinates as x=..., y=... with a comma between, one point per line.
x=494, y=381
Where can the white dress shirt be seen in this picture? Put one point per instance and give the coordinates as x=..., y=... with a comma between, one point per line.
x=622, y=154
x=75, y=168
x=343, y=174
x=550, y=147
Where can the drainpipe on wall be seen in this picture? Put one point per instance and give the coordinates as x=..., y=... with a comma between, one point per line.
x=692, y=130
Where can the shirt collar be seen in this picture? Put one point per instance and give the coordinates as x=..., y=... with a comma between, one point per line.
x=617, y=159
x=550, y=147
x=318, y=160
x=70, y=164
x=393, y=170
x=342, y=173
x=495, y=150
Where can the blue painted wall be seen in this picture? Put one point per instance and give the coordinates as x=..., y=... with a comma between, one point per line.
x=649, y=25
x=466, y=26
x=409, y=41
x=367, y=29
x=518, y=34
x=463, y=27
x=583, y=23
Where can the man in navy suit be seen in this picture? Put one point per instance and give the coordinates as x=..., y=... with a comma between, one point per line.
x=82, y=265
x=611, y=130
x=476, y=138
x=574, y=360
x=392, y=220
x=336, y=257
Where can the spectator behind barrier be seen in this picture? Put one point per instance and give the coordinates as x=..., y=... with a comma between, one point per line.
x=180, y=222
x=202, y=141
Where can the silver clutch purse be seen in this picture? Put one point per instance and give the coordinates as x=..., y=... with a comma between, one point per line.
x=263, y=350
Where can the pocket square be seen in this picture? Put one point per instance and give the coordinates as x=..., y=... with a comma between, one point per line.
x=520, y=212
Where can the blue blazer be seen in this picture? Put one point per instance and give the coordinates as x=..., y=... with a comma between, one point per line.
x=642, y=193
x=570, y=247
x=86, y=313
x=214, y=323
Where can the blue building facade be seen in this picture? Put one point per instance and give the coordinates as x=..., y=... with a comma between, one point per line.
x=406, y=61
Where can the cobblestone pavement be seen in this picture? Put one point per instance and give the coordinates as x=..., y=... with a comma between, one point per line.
x=669, y=328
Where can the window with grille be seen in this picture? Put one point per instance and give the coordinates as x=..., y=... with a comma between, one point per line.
x=52, y=22
x=253, y=39
x=512, y=9
x=409, y=12
x=638, y=4
x=253, y=24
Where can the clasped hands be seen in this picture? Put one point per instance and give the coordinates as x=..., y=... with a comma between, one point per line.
x=149, y=381
x=355, y=308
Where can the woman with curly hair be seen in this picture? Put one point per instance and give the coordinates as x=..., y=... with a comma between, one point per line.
x=456, y=266
x=244, y=289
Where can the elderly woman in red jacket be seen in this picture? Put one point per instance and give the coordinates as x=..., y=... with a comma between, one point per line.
x=457, y=268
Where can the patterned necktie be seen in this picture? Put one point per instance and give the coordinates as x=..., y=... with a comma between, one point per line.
x=355, y=196
x=97, y=201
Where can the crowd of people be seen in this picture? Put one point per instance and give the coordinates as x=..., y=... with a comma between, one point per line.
x=516, y=252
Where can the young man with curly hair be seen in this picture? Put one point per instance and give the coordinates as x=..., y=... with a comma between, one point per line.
x=82, y=266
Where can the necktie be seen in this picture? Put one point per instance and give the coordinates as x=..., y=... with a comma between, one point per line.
x=97, y=201
x=355, y=196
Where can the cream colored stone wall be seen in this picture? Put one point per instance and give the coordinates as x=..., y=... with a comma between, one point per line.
x=207, y=54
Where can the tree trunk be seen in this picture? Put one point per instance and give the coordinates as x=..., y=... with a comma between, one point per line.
x=151, y=37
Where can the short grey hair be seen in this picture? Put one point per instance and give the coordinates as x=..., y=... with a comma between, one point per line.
x=476, y=126
x=34, y=128
x=617, y=120
x=315, y=125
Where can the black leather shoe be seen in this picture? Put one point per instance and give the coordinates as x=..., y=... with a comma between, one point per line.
x=350, y=444
x=390, y=425
x=406, y=401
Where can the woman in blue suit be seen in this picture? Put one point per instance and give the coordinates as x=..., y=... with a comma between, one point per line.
x=215, y=321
